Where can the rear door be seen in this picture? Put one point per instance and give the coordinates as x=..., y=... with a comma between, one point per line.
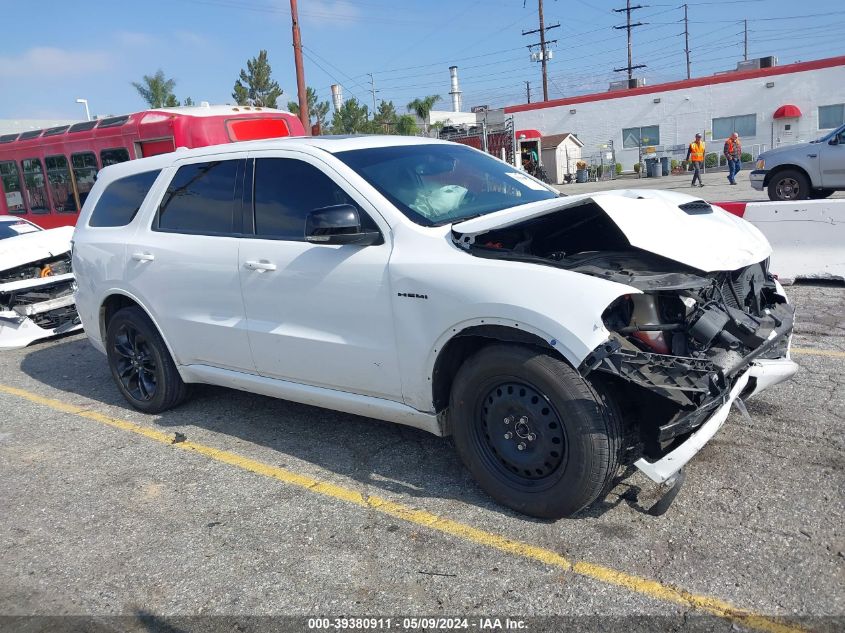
x=184, y=264
x=317, y=314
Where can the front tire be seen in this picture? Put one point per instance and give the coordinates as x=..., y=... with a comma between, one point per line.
x=533, y=433
x=141, y=364
x=789, y=184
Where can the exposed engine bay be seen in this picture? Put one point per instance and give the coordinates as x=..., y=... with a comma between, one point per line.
x=675, y=349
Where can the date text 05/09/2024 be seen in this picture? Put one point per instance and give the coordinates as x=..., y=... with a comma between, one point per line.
x=412, y=624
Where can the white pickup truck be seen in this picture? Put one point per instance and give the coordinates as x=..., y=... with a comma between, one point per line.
x=804, y=171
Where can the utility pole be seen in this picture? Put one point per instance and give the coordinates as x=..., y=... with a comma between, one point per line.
x=300, y=71
x=745, y=49
x=628, y=26
x=528, y=91
x=542, y=44
x=373, y=92
x=686, y=39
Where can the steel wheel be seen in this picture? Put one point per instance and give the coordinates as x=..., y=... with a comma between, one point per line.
x=520, y=433
x=135, y=363
x=788, y=189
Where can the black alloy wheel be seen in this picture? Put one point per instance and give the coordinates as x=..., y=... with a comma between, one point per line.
x=135, y=363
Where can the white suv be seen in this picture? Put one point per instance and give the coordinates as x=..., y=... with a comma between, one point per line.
x=429, y=284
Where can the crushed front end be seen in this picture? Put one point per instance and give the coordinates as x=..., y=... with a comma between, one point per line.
x=36, y=301
x=685, y=349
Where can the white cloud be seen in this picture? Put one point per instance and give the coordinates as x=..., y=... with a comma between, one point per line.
x=46, y=62
x=190, y=38
x=134, y=38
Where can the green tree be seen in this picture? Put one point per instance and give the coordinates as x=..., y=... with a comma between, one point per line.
x=188, y=101
x=422, y=108
x=384, y=121
x=352, y=118
x=256, y=86
x=156, y=90
x=171, y=101
x=406, y=125
x=317, y=110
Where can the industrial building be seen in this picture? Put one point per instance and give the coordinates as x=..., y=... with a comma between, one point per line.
x=767, y=106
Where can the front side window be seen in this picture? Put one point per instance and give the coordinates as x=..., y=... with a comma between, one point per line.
x=200, y=199
x=286, y=190
x=35, y=185
x=745, y=125
x=114, y=156
x=85, y=172
x=633, y=137
x=61, y=185
x=12, y=187
x=434, y=184
x=120, y=202
x=831, y=116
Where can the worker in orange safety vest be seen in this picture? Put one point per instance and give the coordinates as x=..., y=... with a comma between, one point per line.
x=733, y=154
x=695, y=155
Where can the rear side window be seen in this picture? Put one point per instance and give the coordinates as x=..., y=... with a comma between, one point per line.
x=286, y=190
x=12, y=187
x=36, y=185
x=200, y=199
x=120, y=202
x=114, y=156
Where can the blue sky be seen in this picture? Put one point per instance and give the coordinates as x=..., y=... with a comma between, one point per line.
x=54, y=51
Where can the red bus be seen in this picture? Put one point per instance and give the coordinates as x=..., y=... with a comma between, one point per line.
x=45, y=175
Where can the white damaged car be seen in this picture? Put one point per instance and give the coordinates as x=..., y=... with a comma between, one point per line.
x=36, y=283
x=557, y=339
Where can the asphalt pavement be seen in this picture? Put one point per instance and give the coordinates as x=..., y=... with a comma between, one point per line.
x=239, y=505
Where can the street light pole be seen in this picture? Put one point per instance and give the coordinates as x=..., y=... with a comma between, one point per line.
x=87, y=112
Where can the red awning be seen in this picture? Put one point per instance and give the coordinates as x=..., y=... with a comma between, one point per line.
x=527, y=134
x=787, y=112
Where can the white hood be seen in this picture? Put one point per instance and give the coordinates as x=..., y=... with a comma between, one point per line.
x=35, y=246
x=651, y=220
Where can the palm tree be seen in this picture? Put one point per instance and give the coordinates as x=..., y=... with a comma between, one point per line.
x=422, y=108
x=157, y=90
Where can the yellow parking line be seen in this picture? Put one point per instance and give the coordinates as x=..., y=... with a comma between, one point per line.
x=810, y=351
x=647, y=587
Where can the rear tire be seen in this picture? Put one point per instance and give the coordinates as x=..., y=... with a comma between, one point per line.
x=819, y=194
x=505, y=394
x=141, y=364
x=789, y=184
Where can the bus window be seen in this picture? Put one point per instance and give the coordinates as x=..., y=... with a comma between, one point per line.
x=12, y=187
x=85, y=172
x=113, y=156
x=36, y=185
x=61, y=185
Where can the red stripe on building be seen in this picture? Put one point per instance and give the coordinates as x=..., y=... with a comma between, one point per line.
x=738, y=75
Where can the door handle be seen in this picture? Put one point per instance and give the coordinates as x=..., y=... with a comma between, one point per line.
x=143, y=257
x=260, y=265
x=812, y=155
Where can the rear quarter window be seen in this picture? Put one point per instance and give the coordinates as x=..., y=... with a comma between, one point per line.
x=120, y=202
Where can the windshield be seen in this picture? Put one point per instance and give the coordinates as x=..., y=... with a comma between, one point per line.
x=17, y=227
x=440, y=184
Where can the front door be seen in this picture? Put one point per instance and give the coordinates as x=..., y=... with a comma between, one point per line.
x=832, y=162
x=316, y=314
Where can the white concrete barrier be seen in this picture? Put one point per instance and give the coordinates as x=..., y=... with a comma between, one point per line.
x=807, y=236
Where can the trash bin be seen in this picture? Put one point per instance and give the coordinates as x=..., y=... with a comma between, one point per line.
x=649, y=167
x=654, y=169
x=664, y=164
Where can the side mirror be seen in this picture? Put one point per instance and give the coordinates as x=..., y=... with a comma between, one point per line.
x=833, y=141
x=338, y=224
